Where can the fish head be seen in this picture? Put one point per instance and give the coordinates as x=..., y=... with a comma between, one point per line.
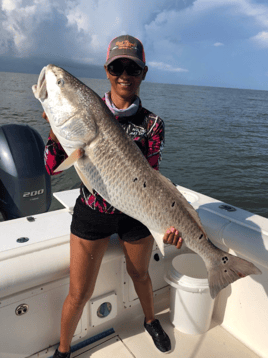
x=66, y=100
x=55, y=90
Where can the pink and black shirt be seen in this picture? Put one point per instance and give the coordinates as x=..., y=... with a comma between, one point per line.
x=145, y=128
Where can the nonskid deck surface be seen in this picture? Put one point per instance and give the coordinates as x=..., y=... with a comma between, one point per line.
x=130, y=341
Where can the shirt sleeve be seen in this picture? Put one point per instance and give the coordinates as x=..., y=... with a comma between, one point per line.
x=156, y=141
x=54, y=156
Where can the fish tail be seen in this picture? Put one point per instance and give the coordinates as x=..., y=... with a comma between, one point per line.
x=228, y=269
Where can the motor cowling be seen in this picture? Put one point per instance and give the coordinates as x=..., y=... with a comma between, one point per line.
x=25, y=186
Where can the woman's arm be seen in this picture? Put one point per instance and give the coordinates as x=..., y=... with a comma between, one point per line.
x=54, y=156
x=156, y=140
x=54, y=153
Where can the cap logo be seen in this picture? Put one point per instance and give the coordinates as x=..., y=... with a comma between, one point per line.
x=124, y=45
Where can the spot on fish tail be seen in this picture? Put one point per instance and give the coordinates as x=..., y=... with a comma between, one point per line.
x=173, y=204
x=225, y=259
x=135, y=179
x=201, y=236
x=144, y=184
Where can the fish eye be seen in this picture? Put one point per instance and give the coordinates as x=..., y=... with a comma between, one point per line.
x=60, y=82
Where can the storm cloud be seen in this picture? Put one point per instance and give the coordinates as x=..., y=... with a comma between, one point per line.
x=198, y=42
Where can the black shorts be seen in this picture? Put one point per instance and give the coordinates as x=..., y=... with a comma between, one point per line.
x=90, y=224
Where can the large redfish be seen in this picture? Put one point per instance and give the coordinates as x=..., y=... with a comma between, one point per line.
x=107, y=160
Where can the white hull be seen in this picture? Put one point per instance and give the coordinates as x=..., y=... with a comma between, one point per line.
x=34, y=274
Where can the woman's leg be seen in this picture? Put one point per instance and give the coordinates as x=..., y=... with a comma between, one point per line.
x=85, y=261
x=138, y=254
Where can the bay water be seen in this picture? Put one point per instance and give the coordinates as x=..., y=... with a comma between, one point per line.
x=216, y=140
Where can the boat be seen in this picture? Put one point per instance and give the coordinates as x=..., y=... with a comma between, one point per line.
x=34, y=280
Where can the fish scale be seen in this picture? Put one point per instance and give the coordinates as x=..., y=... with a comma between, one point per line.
x=113, y=165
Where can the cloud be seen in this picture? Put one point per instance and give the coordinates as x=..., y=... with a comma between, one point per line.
x=165, y=67
x=173, y=32
x=39, y=27
x=83, y=29
x=74, y=28
x=261, y=39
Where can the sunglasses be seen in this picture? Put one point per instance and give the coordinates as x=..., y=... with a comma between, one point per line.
x=117, y=67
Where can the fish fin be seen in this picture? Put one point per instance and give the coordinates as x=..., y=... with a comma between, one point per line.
x=68, y=162
x=84, y=179
x=230, y=269
x=159, y=240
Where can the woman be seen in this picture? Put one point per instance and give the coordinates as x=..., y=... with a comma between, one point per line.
x=94, y=220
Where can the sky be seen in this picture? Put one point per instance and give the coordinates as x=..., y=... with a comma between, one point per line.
x=220, y=43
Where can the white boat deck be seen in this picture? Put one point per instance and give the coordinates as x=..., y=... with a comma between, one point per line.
x=130, y=341
x=35, y=273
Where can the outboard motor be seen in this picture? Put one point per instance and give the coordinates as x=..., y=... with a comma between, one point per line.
x=25, y=186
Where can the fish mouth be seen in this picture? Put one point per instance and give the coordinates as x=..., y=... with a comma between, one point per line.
x=40, y=90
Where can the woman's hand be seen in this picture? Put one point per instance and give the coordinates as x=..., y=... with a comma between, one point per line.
x=51, y=133
x=172, y=237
